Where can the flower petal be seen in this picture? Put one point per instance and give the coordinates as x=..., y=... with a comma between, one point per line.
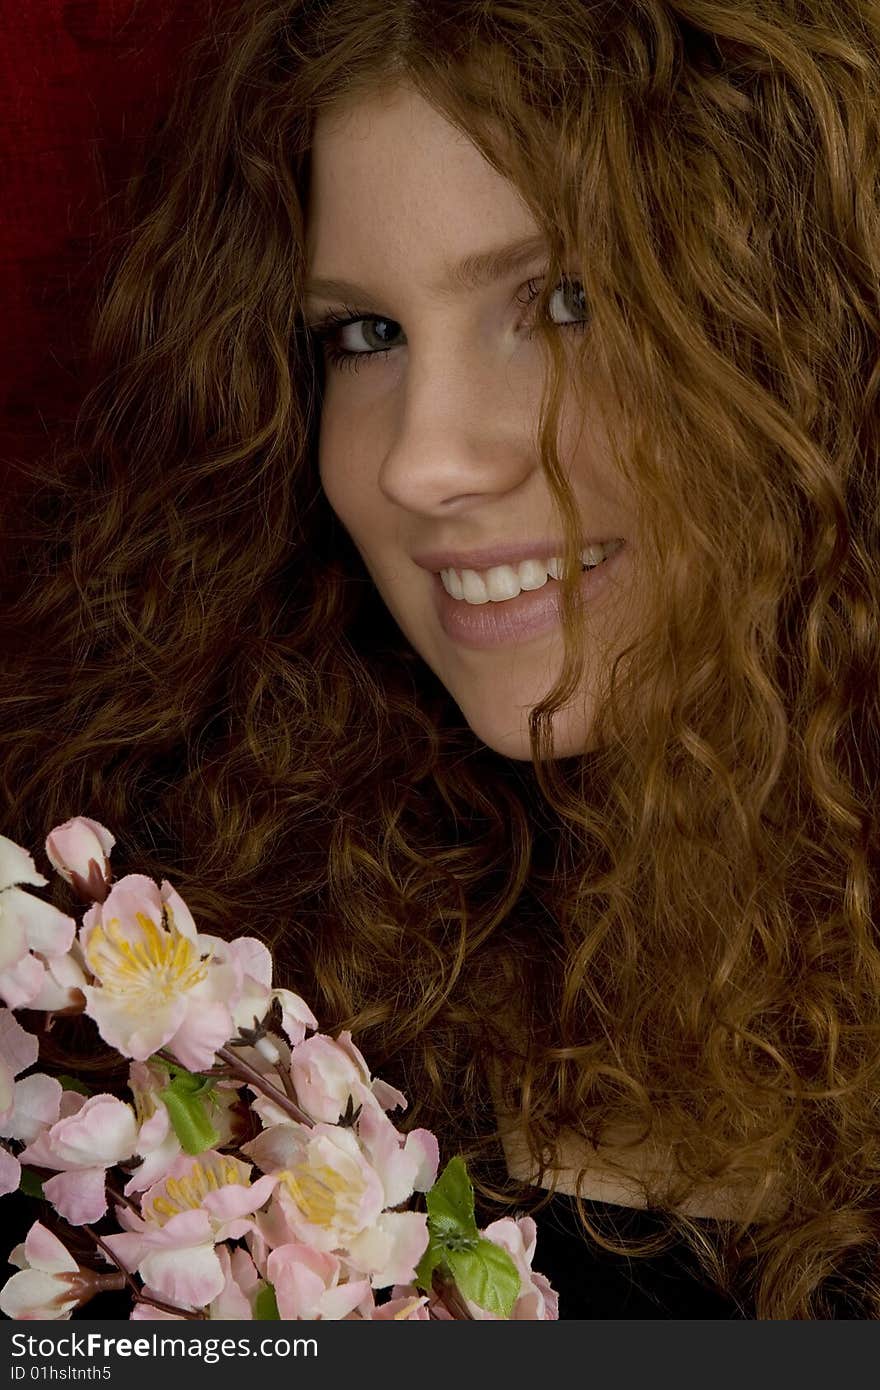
x=17, y=866
x=18, y=1048
x=10, y=1172
x=79, y=1195
x=237, y=1199
x=13, y=939
x=47, y=930
x=133, y=1035
x=391, y=1247
x=43, y=1250
x=32, y=1295
x=178, y=911
x=62, y=986
x=296, y=1016
x=35, y=1106
x=21, y=983
x=192, y=1275
x=103, y=1131
x=203, y=1029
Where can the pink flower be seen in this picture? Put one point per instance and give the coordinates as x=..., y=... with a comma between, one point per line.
x=87, y=1138
x=253, y=968
x=63, y=985
x=202, y=1201
x=405, y=1163
x=10, y=1172
x=537, y=1300
x=33, y=932
x=405, y=1305
x=235, y=1301
x=79, y=851
x=307, y=1284
x=331, y=1198
x=296, y=1016
x=176, y=1261
x=329, y=1073
x=50, y=1283
x=254, y=995
x=157, y=1142
x=26, y=1106
x=157, y=984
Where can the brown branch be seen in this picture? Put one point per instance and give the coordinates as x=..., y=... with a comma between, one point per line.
x=447, y=1290
x=138, y=1295
x=121, y=1198
x=254, y=1078
x=287, y=1083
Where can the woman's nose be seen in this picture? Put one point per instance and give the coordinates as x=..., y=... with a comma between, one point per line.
x=465, y=432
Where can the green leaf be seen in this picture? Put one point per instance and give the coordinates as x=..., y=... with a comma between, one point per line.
x=434, y=1254
x=189, y=1119
x=72, y=1083
x=31, y=1185
x=450, y=1205
x=487, y=1276
x=266, y=1305
x=187, y=1083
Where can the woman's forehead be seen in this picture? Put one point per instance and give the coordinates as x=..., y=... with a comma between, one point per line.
x=392, y=178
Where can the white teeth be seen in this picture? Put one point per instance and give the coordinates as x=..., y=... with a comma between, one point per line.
x=474, y=587
x=452, y=583
x=503, y=582
x=532, y=574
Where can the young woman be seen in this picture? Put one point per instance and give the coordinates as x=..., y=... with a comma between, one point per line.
x=466, y=577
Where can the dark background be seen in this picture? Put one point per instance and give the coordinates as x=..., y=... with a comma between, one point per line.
x=82, y=84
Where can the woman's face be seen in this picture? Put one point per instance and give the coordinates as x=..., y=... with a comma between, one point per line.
x=428, y=450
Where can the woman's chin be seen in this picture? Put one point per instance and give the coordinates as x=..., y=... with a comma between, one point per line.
x=510, y=737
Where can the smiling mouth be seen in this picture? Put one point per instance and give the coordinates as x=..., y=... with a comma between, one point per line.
x=501, y=583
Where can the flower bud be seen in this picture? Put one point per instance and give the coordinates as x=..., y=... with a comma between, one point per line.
x=78, y=850
x=50, y=1283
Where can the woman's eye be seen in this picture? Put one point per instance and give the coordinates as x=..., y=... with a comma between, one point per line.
x=346, y=339
x=368, y=335
x=567, y=306
x=570, y=297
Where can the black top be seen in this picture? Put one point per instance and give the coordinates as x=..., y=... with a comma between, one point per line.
x=592, y=1282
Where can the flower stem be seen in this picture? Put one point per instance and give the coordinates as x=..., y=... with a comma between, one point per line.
x=446, y=1289
x=120, y=1197
x=256, y=1079
x=102, y=1283
x=137, y=1294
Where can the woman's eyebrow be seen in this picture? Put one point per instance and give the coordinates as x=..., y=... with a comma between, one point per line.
x=474, y=271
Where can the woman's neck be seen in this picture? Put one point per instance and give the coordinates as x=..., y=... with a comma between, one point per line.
x=624, y=1176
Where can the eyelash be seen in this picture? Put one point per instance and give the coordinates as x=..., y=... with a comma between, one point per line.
x=324, y=331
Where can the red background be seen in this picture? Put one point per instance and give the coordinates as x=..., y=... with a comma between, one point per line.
x=82, y=83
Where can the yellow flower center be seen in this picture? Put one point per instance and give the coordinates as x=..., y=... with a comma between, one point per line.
x=409, y=1307
x=320, y=1192
x=144, y=1105
x=188, y=1193
x=153, y=969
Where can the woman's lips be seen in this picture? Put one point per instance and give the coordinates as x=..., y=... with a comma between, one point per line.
x=484, y=625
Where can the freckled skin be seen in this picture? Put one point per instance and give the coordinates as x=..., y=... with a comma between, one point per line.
x=434, y=443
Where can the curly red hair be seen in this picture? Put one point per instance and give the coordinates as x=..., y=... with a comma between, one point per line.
x=196, y=657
